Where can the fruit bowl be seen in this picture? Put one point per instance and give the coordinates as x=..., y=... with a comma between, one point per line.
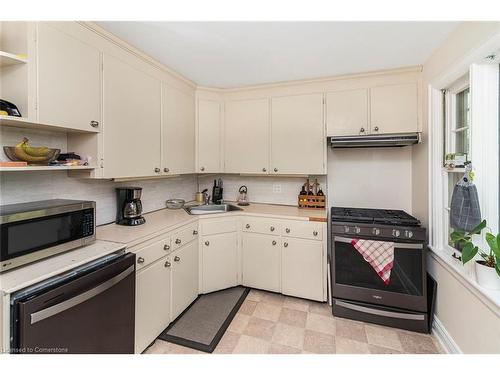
x=37, y=155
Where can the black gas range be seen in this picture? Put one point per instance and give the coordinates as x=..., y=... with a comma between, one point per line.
x=359, y=290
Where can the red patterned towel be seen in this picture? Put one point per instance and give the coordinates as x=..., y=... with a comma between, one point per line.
x=379, y=254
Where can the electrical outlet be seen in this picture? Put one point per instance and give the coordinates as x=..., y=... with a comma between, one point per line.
x=277, y=188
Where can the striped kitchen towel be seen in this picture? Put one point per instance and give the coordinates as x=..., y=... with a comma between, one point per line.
x=379, y=254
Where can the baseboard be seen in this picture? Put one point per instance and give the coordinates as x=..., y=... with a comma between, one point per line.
x=444, y=338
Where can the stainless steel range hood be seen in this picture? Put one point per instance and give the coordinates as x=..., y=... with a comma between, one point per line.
x=378, y=140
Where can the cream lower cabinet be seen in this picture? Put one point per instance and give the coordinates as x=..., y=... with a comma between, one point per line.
x=261, y=261
x=220, y=261
x=152, y=302
x=303, y=268
x=184, y=277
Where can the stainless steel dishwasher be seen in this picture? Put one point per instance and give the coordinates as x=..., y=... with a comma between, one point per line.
x=90, y=309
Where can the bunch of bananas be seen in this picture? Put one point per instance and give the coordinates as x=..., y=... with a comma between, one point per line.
x=25, y=152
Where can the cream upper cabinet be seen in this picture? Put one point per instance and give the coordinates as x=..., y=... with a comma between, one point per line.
x=69, y=80
x=178, y=131
x=131, y=121
x=394, y=109
x=298, y=140
x=261, y=261
x=220, y=261
x=246, y=136
x=184, y=277
x=209, y=136
x=347, y=112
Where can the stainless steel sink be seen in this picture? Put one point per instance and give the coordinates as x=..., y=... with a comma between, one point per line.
x=211, y=209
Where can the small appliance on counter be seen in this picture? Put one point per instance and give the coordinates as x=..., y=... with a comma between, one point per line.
x=129, y=206
x=217, y=191
x=243, y=197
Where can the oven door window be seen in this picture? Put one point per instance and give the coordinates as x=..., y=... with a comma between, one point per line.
x=406, y=276
x=24, y=237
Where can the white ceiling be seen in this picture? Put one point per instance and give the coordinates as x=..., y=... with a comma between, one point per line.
x=233, y=54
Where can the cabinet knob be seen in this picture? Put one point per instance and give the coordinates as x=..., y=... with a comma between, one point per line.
x=207, y=243
x=287, y=230
x=166, y=170
x=375, y=128
x=362, y=130
x=271, y=229
x=247, y=226
x=202, y=169
x=276, y=169
x=140, y=260
x=315, y=233
x=167, y=264
x=195, y=232
x=274, y=243
x=157, y=170
x=166, y=247
x=176, y=259
x=285, y=244
x=178, y=241
x=264, y=170
x=94, y=124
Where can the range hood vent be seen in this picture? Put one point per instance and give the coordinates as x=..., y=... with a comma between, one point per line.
x=378, y=140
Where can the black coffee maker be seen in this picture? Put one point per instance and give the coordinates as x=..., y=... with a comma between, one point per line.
x=129, y=206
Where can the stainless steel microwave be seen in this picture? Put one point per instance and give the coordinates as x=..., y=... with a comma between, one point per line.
x=36, y=230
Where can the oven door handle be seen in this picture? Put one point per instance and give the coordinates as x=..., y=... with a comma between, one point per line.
x=399, y=245
x=60, y=307
x=389, y=314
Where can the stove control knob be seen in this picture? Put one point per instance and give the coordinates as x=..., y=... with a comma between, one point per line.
x=376, y=231
x=408, y=234
x=357, y=230
x=395, y=233
x=346, y=229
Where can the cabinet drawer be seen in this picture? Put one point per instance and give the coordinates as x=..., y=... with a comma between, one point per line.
x=152, y=252
x=302, y=229
x=185, y=235
x=216, y=226
x=261, y=225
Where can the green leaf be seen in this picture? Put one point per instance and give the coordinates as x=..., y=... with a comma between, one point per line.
x=493, y=242
x=478, y=227
x=468, y=252
x=457, y=236
x=497, y=267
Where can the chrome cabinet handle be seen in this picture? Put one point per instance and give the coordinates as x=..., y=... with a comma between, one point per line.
x=195, y=232
x=285, y=244
x=276, y=169
x=375, y=128
x=166, y=170
x=271, y=229
x=176, y=259
x=287, y=230
x=207, y=243
x=166, y=247
x=274, y=243
x=94, y=124
x=202, y=169
x=178, y=241
x=315, y=233
x=140, y=260
x=264, y=170
x=167, y=264
x=157, y=170
x=362, y=130
x=247, y=226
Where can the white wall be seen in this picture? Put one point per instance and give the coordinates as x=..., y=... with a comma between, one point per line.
x=371, y=178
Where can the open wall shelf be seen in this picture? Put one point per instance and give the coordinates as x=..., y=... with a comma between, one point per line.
x=45, y=168
x=7, y=59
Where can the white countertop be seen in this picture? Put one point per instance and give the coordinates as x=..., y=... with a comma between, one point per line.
x=33, y=273
x=166, y=220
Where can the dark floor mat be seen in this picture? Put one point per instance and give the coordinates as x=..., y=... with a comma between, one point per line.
x=203, y=324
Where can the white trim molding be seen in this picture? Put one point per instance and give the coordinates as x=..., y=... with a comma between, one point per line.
x=444, y=338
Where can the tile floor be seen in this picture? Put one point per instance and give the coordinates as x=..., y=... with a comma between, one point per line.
x=269, y=323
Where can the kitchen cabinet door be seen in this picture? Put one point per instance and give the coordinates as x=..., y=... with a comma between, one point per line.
x=394, y=109
x=261, y=259
x=302, y=269
x=152, y=303
x=69, y=80
x=184, y=277
x=132, y=121
x=178, y=131
x=209, y=136
x=220, y=261
x=246, y=138
x=298, y=142
x=347, y=112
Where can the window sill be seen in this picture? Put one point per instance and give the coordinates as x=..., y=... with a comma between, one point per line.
x=490, y=297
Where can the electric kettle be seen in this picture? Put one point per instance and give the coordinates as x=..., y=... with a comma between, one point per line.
x=243, y=197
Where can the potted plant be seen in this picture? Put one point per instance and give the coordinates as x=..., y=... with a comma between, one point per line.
x=488, y=268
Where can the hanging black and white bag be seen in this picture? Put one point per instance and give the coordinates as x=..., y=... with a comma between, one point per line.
x=465, y=212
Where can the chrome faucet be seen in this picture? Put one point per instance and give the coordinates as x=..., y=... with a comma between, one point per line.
x=206, y=196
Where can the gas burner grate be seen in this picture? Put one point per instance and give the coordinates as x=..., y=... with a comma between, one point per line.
x=371, y=215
